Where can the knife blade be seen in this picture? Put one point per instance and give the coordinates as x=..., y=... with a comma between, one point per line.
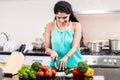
x=55, y=64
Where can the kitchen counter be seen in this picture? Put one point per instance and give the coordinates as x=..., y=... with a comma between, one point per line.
x=60, y=78
x=108, y=73
x=100, y=74
x=28, y=53
x=104, y=73
x=96, y=77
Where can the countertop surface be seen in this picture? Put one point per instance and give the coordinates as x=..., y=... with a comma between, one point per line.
x=97, y=77
x=29, y=53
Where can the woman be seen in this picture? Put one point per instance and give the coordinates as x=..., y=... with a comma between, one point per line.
x=62, y=37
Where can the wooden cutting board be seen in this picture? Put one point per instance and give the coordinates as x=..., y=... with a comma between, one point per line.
x=14, y=63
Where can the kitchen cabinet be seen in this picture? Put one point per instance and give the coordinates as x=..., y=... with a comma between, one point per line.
x=29, y=58
x=45, y=60
x=4, y=58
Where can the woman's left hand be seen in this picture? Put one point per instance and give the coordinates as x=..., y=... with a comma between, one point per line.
x=62, y=63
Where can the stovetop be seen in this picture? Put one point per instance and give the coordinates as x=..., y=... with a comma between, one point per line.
x=103, y=52
x=102, y=59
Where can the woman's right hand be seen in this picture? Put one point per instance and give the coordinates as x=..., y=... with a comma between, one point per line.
x=53, y=55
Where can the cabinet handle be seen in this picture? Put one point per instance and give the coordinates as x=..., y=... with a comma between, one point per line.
x=38, y=60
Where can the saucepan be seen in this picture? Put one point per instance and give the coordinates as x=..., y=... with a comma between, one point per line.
x=114, y=44
x=95, y=46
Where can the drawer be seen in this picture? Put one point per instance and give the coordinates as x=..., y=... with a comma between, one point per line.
x=45, y=60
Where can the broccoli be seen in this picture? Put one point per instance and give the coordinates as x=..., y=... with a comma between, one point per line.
x=36, y=65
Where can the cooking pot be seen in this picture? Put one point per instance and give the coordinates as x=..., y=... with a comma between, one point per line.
x=114, y=45
x=95, y=46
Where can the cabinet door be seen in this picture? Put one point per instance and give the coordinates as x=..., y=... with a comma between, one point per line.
x=45, y=60
x=4, y=58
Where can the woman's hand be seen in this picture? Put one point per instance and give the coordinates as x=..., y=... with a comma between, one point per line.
x=53, y=55
x=62, y=63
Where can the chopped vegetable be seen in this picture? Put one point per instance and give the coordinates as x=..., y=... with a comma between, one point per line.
x=68, y=70
x=82, y=66
x=36, y=65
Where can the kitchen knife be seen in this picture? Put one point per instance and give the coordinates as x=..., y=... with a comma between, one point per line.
x=55, y=64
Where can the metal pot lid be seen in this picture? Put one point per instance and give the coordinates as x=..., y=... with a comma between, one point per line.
x=114, y=39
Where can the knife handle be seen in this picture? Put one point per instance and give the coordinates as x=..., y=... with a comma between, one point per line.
x=55, y=59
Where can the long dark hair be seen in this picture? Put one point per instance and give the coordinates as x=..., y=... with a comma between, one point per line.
x=63, y=6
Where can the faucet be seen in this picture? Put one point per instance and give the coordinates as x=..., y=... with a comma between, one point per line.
x=5, y=35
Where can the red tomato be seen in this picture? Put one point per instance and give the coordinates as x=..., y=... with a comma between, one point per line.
x=53, y=72
x=44, y=68
x=48, y=73
x=40, y=73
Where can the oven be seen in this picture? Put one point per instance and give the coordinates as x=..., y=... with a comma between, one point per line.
x=105, y=65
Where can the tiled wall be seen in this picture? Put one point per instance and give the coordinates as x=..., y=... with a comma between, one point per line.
x=100, y=26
